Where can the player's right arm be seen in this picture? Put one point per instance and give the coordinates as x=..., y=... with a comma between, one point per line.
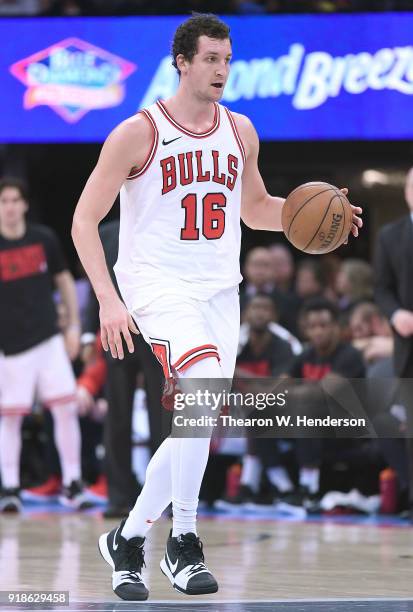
x=126, y=147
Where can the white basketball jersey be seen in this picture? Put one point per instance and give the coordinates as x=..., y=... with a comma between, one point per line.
x=180, y=212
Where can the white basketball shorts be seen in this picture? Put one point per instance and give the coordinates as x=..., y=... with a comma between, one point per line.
x=43, y=372
x=183, y=330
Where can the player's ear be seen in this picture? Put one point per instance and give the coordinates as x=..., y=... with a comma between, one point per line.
x=181, y=63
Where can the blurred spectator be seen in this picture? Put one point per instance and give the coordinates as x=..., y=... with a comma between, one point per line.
x=282, y=267
x=34, y=357
x=326, y=356
x=257, y=273
x=310, y=280
x=261, y=300
x=372, y=335
x=259, y=278
x=354, y=283
x=371, y=332
x=394, y=295
x=393, y=276
x=264, y=354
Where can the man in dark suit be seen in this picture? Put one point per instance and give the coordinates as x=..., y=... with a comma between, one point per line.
x=394, y=295
x=121, y=386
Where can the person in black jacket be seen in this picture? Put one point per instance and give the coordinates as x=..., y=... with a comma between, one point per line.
x=394, y=295
x=121, y=385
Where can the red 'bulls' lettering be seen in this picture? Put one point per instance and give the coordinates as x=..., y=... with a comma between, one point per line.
x=186, y=175
x=190, y=168
x=201, y=177
x=232, y=170
x=217, y=178
x=168, y=174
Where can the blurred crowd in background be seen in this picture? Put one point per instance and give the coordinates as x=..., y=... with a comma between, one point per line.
x=303, y=317
x=145, y=7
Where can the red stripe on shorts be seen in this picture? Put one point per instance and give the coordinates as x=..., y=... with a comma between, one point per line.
x=63, y=399
x=194, y=355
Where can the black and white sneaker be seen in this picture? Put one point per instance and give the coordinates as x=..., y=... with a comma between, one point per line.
x=10, y=500
x=184, y=565
x=75, y=496
x=126, y=558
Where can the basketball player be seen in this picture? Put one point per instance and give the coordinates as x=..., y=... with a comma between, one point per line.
x=34, y=357
x=187, y=171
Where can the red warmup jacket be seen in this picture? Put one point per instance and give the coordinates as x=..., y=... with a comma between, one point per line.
x=93, y=376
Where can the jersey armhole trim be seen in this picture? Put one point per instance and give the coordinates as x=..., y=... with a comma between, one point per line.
x=237, y=136
x=136, y=172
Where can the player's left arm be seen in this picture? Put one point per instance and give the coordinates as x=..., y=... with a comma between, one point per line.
x=66, y=286
x=260, y=210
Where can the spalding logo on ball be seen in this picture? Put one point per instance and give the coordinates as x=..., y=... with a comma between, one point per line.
x=316, y=218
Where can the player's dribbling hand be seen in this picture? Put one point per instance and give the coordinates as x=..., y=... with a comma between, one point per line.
x=357, y=221
x=115, y=322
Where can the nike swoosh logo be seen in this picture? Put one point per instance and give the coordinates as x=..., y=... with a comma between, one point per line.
x=172, y=566
x=114, y=545
x=166, y=142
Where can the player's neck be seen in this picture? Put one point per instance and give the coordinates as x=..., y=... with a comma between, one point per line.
x=191, y=112
x=13, y=232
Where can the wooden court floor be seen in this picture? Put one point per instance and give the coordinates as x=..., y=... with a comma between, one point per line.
x=254, y=561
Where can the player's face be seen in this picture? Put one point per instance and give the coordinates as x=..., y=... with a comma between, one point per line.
x=12, y=207
x=408, y=189
x=208, y=72
x=321, y=329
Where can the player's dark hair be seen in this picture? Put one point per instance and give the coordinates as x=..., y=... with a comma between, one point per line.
x=185, y=40
x=318, y=304
x=14, y=183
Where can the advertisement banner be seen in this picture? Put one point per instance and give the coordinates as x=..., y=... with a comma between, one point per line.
x=307, y=77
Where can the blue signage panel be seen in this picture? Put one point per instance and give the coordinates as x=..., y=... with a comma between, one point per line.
x=303, y=77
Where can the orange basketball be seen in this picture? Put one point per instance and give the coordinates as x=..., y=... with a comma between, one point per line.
x=316, y=218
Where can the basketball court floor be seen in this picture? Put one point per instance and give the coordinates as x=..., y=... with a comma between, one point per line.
x=262, y=564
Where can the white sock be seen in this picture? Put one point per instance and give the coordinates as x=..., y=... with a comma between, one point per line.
x=190, y=455
x=279, y=477
x=184, y=516
x=174, y=474
x=310, y=478
x=251, y=472
x=10, y=447
x=155, y=495
x=67, y=439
